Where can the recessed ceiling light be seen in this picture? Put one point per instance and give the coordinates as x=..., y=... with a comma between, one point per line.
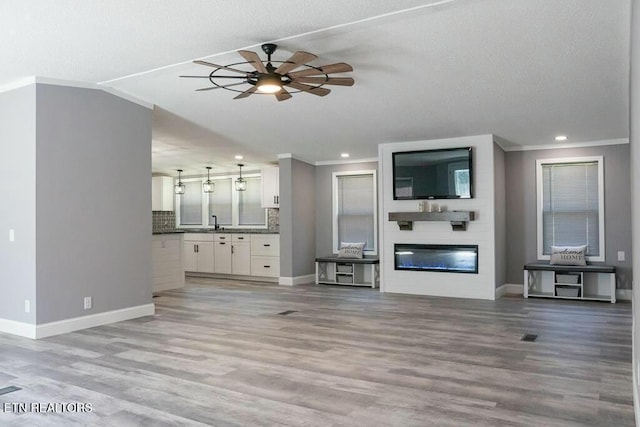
x=561, y=138
x=239, y=157
x=344, y=155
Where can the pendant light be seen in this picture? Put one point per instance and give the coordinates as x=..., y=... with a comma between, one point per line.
x=208, y=185
x=179, y=187
x=241, y=184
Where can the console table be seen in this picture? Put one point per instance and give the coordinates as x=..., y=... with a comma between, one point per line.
x=570, y=281
x=331, y=270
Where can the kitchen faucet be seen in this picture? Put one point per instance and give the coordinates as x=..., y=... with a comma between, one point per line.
x=216, y=226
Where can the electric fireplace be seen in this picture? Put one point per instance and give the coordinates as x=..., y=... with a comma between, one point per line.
x=443, y=258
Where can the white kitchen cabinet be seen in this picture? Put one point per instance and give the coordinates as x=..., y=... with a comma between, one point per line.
x=271, y=187
x=241, y=254
x=222, y=253
x=265, y=255
x=198, y=253
x=162, y=195
x=166, y=253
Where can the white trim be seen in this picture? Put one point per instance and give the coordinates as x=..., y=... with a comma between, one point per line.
x=131, y=98
x=334, y=208
x=539, y=202
x=74, y=324
x=21, y=329
x=568, y=145
x=345, y=162
x=293, y=156
x=509, y=289
x=17, y=84
x=297, y=280
x=624, y=294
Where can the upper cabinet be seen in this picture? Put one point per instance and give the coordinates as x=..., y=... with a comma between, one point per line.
x=162, y=193
x=271, y=187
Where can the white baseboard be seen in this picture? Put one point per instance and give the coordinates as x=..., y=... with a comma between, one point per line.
x=298, y=280
x=22, y=329
x=74, y=324
x=509, y=289
x=624, y=294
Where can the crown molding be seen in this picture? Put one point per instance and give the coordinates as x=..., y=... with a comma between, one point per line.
x=569, y=145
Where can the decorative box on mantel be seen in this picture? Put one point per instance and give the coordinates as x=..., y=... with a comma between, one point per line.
x=458, y=219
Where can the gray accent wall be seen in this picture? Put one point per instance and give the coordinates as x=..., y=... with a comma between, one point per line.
x=93, y=193
x=500, y=219
x=297, y=218
x=76, y=166
x=635, y=191
x=18, y=207
x=324, y=202
x=521, y=207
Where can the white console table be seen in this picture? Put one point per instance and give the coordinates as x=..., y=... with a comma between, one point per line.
x=331, y=270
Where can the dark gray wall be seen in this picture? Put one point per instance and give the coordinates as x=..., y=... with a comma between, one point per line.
x=635, y=189
x=521, y=206
x=297, y=218
x=93, y=227
x=324, y=202
x=18, y=207
x=500, y=215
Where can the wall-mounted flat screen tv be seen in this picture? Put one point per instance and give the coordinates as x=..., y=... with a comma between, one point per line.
x=433, y=174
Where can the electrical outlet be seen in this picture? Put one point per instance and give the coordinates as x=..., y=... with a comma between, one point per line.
x=621, y=256
x=27, y=306
x=88, y=303
x=12, y=235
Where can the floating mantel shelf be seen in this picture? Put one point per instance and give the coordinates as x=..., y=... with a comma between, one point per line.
x=458, y=219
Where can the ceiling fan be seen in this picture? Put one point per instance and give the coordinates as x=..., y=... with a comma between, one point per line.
x=280, y=80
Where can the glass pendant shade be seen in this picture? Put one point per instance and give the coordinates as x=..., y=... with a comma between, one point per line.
x=241, y=183
x=179, y=188
x=208, y=186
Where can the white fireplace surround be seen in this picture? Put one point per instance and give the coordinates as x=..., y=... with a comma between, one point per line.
x=486, y=231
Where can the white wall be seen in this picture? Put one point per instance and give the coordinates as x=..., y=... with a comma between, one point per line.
x=480, y=232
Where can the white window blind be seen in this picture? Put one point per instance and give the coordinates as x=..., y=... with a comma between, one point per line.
x=355, y=210
x=571, y=206
x=191, y=204
x=220, y=203
x=250, y=210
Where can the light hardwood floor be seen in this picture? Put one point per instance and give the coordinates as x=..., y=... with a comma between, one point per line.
x=218, y=353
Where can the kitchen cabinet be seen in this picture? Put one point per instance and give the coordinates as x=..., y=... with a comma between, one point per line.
x=222, y=253
x=265, y=255
x=271, y=187
x=241, y=254
x=162, y=195
x=198, y=253
x=166, y=253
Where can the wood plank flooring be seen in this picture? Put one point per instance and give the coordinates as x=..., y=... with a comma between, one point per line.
x=218, y=353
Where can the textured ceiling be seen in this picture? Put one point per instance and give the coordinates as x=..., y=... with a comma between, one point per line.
x=523, y=70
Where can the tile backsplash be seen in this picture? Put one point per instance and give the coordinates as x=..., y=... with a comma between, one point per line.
x=166, y=220
x=163, y=220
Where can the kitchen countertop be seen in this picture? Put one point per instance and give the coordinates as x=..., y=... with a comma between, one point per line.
x=225, y=231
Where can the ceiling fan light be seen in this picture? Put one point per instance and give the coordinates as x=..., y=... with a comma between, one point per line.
x=269, y=84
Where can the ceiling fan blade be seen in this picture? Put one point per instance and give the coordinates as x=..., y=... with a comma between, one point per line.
x=220, y=87
x=338, y=81
x=339, y=67
x=296, y=60
x=254, y=59
x=246, y=92
x=283, y=95
x=209, y=64
x=215, y=77
x=320, y=91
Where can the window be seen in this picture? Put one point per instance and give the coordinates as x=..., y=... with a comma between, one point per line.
x=232, y=208
x=355, y=209
x=570, y=207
